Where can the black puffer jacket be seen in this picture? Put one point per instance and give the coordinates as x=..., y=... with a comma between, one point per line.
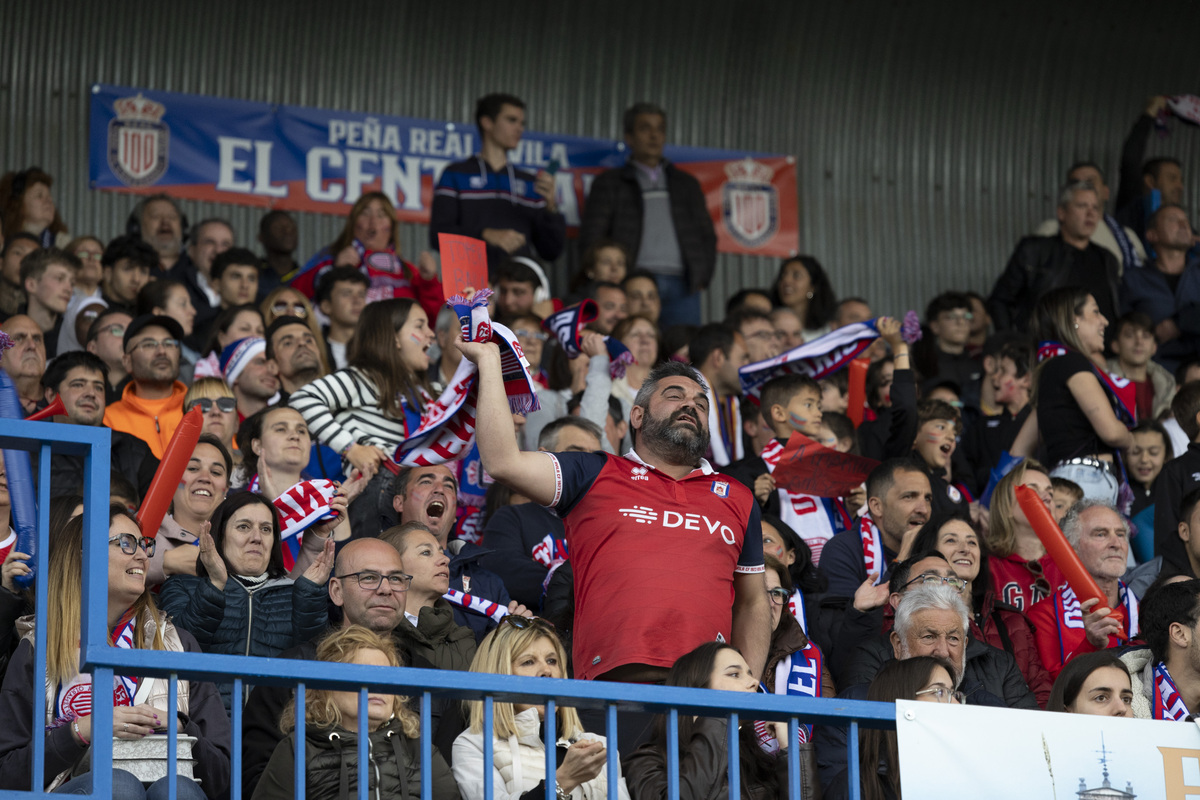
x=263, y=620
x=437, y=638
x=394, y=767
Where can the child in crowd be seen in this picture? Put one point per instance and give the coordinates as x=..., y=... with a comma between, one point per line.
x=1134, y=347
x=1064, y=493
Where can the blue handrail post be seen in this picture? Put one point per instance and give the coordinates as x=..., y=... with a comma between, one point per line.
x=93, y=621
x=551, y=749
x=40, y=562
x=611, y=754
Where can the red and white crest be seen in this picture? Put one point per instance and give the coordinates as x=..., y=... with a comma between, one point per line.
x=750, y=204
x=137, y=141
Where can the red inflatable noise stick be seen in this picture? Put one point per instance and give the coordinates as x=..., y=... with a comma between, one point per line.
x=170, y=471
x=54, y=409
x=856, y=397
x=1056, y=544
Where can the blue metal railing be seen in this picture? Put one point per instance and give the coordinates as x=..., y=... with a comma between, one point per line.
x=102, y=661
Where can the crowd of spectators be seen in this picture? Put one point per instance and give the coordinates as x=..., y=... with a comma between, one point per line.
x=650, y=495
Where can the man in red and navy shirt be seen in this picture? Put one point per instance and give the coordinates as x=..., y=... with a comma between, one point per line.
x=1065, y=627
x=666, y=553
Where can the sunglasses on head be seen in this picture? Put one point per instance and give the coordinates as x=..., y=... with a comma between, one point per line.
x=521, y=623
x=226, y=404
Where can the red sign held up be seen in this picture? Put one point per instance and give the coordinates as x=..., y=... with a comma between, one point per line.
x=806, y=467
x=464, y=263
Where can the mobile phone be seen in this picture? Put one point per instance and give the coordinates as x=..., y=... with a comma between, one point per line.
x=553, y=167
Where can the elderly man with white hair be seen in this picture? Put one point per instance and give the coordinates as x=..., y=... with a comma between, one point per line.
x=1066, y=627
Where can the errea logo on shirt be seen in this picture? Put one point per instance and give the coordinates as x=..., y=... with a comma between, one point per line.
x=638, y=473
x=673, y=519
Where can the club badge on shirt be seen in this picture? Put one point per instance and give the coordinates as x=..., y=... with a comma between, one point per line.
x=720, y=488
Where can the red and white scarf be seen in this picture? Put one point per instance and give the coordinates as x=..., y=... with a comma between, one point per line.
x=872, y=546
x=299, y=507
x=480, y=605
x=1167, y=702
x=1070, y=613
x=74, y=699
x=447, y=427
x=725, y=419
x=806, y=514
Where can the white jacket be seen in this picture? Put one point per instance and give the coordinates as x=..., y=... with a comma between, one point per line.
x=519, y=764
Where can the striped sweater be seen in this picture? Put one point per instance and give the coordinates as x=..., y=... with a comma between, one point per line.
x=343, y=409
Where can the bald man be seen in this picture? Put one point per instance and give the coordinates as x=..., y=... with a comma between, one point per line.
x=25, y=361
x=381, y=609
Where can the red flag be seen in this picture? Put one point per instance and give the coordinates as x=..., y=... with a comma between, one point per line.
x=806, y=467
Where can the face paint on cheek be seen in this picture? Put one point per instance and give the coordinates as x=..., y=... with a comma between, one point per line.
x=417, y=339
x=798, y=422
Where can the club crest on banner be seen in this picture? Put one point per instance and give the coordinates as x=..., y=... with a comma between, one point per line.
x=138, y=141
x=750, y=203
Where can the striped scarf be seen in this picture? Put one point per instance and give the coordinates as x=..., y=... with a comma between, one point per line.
x=816, y=359
x=74, y=699
x=299, y=507
x=1167, y=702
x=797, y=675
x=480, y=605
x=568, y=324
x=447, y=427
x=872, y=546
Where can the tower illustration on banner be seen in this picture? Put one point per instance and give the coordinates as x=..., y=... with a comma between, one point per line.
x=1105, y=790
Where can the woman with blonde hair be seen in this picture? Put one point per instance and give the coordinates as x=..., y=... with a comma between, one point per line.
x=220, y=411
x=370, y=241
x=528, y=646
x=332, y=728
x=140, y=704
x=1022, y=571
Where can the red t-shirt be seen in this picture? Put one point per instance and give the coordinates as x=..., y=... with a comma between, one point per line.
x=654, y=558
x=1059, y=631
x=1018, y=585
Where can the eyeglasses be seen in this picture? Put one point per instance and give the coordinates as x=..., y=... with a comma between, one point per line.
x=84, y=255
x=371, y=581
x=283, y=309
x=944, y=695
x=521, y=623
x=114, y=330
x=129, y=543
x=958, y=584
x=536, y=336
x=764, y=334
x=958, y=316
x=778, y=595
x=150, y=345
x=226, y=404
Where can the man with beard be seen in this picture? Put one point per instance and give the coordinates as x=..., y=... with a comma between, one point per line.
x=25, y=361
x=81, y=379
x=292, y=348
x=627, y=516
x=151, y=406
x=250, y=374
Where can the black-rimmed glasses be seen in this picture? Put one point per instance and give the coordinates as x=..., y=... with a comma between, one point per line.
x=778, y=595
x=371, y=581
x=958, y=584
x=130, y=543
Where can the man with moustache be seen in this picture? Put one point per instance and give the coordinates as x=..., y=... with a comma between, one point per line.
x=80, y=379
x=158, y=221
x=151, y=407
x=625, y=517
x=25, y=361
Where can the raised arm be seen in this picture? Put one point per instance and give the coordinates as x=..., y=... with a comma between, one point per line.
x=534, y=475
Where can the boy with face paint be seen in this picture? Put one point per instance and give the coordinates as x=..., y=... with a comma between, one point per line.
x=790, y=404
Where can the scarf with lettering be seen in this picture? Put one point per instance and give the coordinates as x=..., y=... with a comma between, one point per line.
x=1128, y=254
x=447, y=426
x=299, y=507
x=74, y=699
x=796, y=606
x=816, y=359
x=725, y=427
x=797, y=675
x=480, y=605
x=567, y=325
x=1167, y=702
x=872, y=547
x=815, y=519
x=1069, y=614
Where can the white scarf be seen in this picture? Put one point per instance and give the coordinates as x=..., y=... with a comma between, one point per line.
x=872, y=545
x=75, y=697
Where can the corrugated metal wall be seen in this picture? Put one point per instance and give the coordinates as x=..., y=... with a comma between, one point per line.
x=929, y=137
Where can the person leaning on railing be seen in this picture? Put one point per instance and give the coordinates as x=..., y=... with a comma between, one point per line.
x=241, y=602
x=140, y=705
x=703, y=741
x=528, y=646
x=332, y=729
